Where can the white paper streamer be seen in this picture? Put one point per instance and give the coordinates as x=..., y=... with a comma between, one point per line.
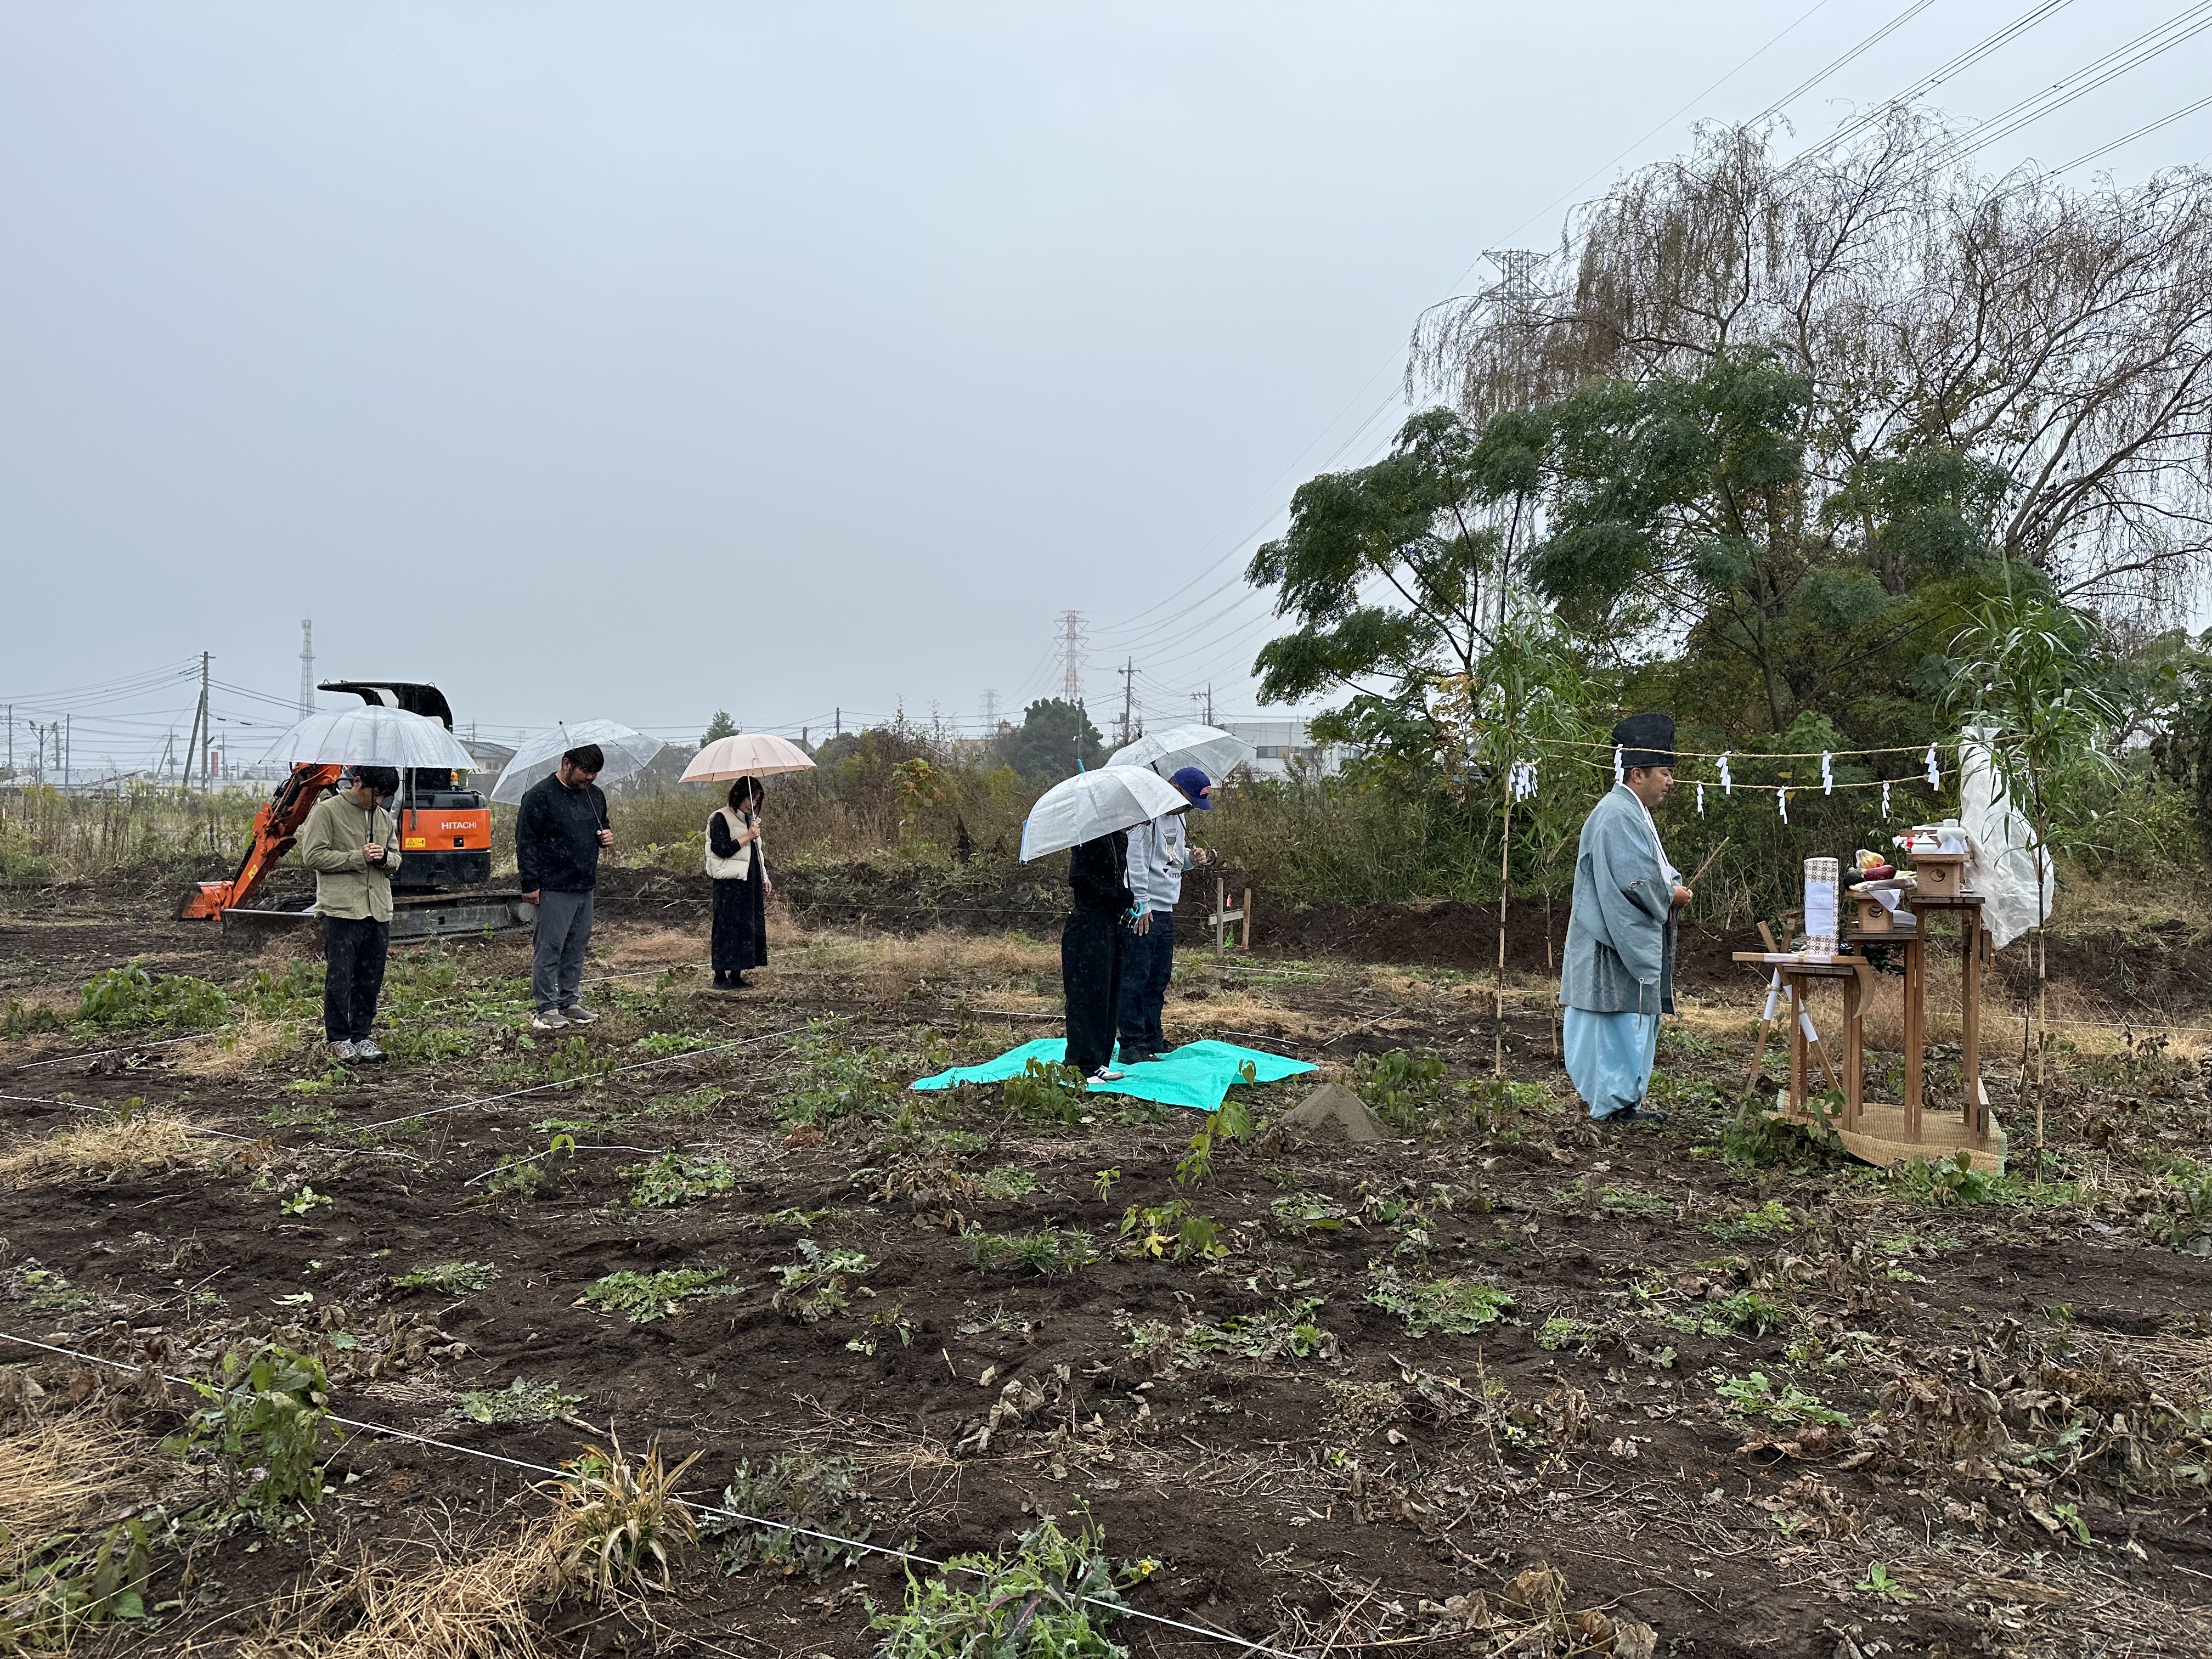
x=1728, y=783
x=1701, y=800
x=1827, y=773
x=1935, y=776
x=1781, y=804
x=1885, y=798
x=1621, y=776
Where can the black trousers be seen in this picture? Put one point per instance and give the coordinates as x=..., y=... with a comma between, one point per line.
x=1091, y=975
x=353, y=974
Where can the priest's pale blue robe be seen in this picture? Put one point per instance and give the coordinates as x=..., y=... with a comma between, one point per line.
x=1619, y=974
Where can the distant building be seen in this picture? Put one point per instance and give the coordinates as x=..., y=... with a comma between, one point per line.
x=1279, y=742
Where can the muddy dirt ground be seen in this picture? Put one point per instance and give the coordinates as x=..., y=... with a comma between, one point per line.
x=1723, y=1385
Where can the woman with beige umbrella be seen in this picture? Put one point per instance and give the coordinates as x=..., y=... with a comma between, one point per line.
x=737, y=855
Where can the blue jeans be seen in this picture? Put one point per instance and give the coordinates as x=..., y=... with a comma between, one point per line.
x=1147, y=963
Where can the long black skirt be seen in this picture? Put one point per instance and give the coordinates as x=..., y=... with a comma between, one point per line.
x=740, y=925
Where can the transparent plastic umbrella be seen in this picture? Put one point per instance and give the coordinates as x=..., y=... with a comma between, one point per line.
x=370, y=736
x=747, y=754
x=1093, y=803
x=1208, y=748
x=628, y=752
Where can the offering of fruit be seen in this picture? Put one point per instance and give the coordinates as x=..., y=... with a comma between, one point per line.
x=1872, y=866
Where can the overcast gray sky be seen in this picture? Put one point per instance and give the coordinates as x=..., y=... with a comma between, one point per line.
x=638, y=360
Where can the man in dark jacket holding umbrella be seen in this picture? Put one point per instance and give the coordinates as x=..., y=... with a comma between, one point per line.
x=557, y=837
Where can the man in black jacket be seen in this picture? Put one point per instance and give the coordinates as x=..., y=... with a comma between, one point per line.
x=558, y=836
x=1091, y=951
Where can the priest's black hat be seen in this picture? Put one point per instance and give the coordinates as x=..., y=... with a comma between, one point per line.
x=1646, y=740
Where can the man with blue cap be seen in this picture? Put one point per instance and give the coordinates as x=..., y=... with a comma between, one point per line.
x=1619, y=977
x=1159, y=851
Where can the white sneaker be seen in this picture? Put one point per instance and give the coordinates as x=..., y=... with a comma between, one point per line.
x=548, y=1021
x=1105, y=1074
x=577, y=1014
x=342, y=1052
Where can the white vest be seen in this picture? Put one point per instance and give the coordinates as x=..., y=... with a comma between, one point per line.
x=733, y=869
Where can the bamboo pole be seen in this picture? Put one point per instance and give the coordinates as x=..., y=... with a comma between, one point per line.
x=1504, y=866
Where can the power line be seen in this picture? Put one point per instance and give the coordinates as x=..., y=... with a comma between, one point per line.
x=1396, y=365
x=2146, y=48
x=1837, y=63
x=1994, y=41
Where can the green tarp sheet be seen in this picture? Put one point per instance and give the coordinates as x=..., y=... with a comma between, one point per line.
x=1198, y=1074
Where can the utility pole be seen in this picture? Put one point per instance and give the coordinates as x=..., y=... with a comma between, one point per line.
x=11, y=739
x=1128, y=701
x=1071, y=640
x=840, y=722
x=67, y=721
x=307, y=666
x=202, y=738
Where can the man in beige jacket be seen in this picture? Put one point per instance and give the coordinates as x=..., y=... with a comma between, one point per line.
x=350, y=842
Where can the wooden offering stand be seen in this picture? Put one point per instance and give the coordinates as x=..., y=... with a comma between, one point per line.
x=1798, y=973
x=1881, y=1132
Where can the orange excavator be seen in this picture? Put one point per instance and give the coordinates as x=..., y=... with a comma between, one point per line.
x=445, y=842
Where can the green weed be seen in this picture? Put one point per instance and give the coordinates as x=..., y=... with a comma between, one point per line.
x=816, y=1286
x=1309, y=1212
x=673, y=1179
x=73, y=1585
x=1756, y=1139
x=261, y=1422
x=1047, y=1598
x=1007, y=1181
x=645, y=1298
x=1288, y=1332
x=1458, y=1307
x=794, y=1496
x=1754, y=1396
x=1173, y=1231
x=518, y=1402
x=449, y=1278
x=1044, y=1091
x=840, y=1082
x=1769, y=1220
x=1055, y=1250
x=130, y=996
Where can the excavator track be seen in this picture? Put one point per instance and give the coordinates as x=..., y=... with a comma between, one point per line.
x=441, y=916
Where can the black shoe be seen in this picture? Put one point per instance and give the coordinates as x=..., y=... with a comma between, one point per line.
x=739, y=982
x=1635, y=1115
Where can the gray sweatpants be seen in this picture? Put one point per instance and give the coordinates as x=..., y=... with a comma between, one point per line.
x=556, y=962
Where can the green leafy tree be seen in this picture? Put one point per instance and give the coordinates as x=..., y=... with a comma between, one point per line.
x=1385, y=571
x=1053, y=733
x=720, y=727
x=1680, y=508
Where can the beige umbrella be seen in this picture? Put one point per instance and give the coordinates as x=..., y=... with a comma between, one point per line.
x=748, y=755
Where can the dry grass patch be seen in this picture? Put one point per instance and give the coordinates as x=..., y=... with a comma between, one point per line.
x=250, y=1043
x=659, y=947
x=53, y=1476
x=891, y=965
x=100, y=1149
x=448, y=1601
